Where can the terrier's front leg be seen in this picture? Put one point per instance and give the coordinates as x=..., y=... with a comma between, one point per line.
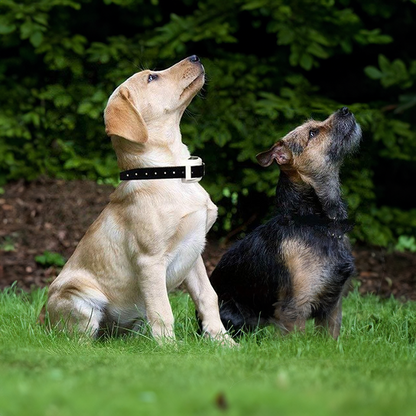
x=332, y=321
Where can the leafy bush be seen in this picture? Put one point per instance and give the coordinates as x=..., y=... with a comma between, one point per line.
x=50, y=258
x=271, y=64
x=406, y=243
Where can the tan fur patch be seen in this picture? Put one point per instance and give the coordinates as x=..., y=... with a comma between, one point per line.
x=311, y=159
x=305, y=269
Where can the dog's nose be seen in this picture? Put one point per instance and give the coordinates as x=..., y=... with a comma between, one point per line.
x=344, y=111
x=194, y=58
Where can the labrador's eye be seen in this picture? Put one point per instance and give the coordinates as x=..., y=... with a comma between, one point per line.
x=313, y=133
x=152, y=77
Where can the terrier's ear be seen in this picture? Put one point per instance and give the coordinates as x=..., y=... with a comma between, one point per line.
x=279, y=152
x=123, y=119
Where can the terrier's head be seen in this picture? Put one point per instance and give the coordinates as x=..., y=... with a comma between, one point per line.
x=315, y=146
x=311, y=155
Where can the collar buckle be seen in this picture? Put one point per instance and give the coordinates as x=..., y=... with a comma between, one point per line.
x=189, y=163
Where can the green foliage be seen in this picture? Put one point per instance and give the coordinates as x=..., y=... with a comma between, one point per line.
x=270, y=65
x=49, y=258
x=393, y=73
x=396, y=73
x=7, y=244
x=406, y=243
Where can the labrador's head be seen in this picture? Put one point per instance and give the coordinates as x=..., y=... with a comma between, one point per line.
x=150, y=97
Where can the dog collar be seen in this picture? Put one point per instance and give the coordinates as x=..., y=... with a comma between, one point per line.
x=192, y=170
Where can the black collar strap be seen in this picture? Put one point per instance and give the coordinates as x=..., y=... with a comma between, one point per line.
x=192, y=170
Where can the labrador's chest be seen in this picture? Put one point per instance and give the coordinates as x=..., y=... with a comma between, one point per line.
x=191, y=204
x=186, y=245
x=169, y=219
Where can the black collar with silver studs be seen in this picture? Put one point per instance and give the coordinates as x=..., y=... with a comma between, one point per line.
x=329, y=227
x=192, y=170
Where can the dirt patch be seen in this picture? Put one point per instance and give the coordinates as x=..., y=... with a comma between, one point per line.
x=45, y=215
x=53, y=215
x=386, y=273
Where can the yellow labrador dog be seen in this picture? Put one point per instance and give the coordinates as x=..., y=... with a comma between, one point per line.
x=149, y=238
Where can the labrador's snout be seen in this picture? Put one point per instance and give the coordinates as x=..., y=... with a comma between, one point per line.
x=194, y=59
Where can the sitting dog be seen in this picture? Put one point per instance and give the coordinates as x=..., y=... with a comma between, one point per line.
x=149, y=238
x=297, y=265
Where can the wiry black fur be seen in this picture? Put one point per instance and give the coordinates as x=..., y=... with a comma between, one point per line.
x=253, y=282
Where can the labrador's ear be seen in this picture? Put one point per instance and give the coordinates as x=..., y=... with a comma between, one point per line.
x=279, y=152
x=123, y=119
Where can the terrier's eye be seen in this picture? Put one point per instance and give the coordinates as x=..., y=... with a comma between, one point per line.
x=313, y=133
x=152, y=77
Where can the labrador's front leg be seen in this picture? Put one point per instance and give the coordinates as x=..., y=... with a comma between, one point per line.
x=158, y=310
x=206, y=302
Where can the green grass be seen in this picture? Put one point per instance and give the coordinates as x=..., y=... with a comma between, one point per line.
x=370, y=370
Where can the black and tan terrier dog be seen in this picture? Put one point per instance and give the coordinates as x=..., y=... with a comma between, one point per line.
x=297, y=265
